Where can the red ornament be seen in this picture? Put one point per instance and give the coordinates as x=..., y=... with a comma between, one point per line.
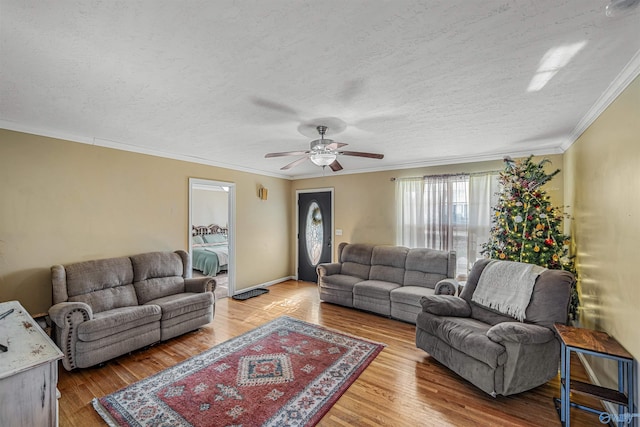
x=549, y=242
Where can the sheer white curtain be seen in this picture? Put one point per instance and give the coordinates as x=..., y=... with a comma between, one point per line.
x=445, y=207
x=447, y=212
x=483, y=195
x=432, y=213
x=410, y=212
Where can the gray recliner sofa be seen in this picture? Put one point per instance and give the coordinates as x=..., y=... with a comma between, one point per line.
x=494, y=351
x=109, y=307
x=387, y=280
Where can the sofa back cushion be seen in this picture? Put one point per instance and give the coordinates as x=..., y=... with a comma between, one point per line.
x=157, y=275
x=104, y=284
x=356, y=260
x=387, y=263
x=426, y=267
x=550, y=298
x=549, y=302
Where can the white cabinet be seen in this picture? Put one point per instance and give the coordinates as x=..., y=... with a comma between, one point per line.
x=28, y=371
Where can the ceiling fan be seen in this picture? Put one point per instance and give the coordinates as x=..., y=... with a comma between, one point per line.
x=323, y=152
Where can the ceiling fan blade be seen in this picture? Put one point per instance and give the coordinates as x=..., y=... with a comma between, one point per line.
x=294, y=163
x=335, y=145
x=335, y=166
x=361, y=154
x=286, y=153
x=276, y=106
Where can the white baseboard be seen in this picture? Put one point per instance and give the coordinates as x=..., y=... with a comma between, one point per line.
x=263, y=285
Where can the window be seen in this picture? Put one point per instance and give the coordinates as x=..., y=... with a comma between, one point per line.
x=447, y=212
x=314, y=233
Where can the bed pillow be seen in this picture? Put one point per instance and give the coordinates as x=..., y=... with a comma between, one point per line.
x=197, y=240
x=215, y=238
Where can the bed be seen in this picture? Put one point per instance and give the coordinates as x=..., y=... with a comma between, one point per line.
x=210, y=249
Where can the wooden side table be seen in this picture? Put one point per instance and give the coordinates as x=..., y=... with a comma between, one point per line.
x=597, y=344
x=28, y=370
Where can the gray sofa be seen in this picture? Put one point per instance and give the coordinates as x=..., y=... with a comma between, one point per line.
x=387, y=280
x=493, y=351
x=109, y=307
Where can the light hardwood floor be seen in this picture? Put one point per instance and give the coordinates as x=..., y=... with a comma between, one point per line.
x=403, y=386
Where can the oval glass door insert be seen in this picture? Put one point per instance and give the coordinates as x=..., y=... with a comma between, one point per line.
x=314, y=234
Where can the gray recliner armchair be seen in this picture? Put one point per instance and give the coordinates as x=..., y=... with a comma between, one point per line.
x=492, y=350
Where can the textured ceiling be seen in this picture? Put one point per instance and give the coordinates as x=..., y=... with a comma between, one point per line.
x=224, y=82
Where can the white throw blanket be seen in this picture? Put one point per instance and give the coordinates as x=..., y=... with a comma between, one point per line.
x=507, y=287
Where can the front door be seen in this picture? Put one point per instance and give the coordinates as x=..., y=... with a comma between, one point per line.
x=314, y=233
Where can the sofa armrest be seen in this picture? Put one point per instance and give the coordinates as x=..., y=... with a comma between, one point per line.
x=446, y=305
x=521, y=333
x=446, y=287
x=329, y=269
x=200, y=284
x=60, y=312
x=66, y=316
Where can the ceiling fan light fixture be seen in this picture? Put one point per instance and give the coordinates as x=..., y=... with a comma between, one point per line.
x=323, y=159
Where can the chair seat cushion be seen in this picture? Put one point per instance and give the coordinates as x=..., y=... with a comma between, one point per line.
x=115, y=321
x=179, y=304
x=410, y=295
x=342, y=282
x=374, y=289
x=466, y=335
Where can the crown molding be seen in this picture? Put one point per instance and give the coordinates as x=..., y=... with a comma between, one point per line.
x=498, y=155
x=99, y=142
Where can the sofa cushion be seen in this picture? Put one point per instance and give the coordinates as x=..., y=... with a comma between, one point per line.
x=446, y=305
x=387, y=263
x=152, y=265
x=374, y=289
x=151, y=289
x=117, y=320
x=356, y=260
x=426, y=267
x=90, y=276
x=466, y=335
x=550, y=298
x=179, y=304
x=410, y=295
x=339, y=281
x=109, y=298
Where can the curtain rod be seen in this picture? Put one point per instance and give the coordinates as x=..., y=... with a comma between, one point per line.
x=446, y=175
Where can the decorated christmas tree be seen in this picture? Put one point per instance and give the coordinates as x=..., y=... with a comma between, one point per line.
x=526, y=227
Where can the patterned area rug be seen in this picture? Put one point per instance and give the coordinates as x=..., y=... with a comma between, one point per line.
x=284, y=373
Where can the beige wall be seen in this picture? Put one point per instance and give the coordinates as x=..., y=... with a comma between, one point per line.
x=602, y=177
x=209, y=207
x=63, y=202
x=365, y=203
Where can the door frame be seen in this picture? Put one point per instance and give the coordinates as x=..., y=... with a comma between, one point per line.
x=333, y=222
x=231, y=224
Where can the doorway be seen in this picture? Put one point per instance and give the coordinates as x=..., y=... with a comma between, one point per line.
x=315, y=231
x=211, y=233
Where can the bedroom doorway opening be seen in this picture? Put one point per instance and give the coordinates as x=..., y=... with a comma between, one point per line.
x=211, y=233
x=315, y=231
